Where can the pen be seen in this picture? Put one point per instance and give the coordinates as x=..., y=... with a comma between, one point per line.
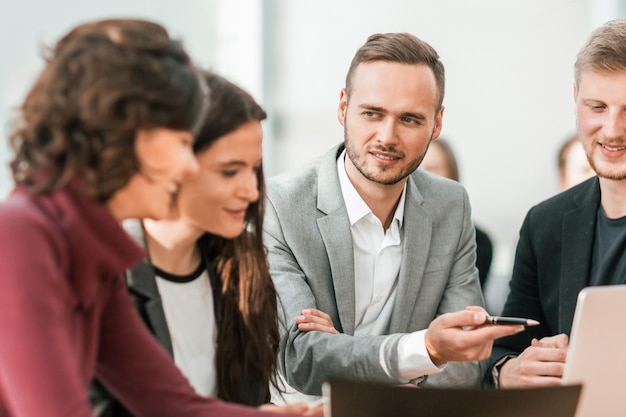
x=511, y=320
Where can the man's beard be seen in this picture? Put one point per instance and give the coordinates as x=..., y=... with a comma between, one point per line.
x=617, y=174
x=362, y=167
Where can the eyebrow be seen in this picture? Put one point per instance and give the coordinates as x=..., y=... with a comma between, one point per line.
x=235, y=163
x=377, y=109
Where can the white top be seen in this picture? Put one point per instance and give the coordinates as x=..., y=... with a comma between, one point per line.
x=377, y=259
x=188, y=307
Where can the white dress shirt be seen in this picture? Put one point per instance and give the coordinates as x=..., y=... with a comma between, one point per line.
x=377, y=259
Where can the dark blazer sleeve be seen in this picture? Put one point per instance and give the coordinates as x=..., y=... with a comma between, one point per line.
x=523, y=301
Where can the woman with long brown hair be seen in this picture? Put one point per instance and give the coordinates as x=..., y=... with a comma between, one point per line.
x=205, y=290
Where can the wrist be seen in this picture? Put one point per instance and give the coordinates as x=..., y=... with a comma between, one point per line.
x=435, y=357
x=496, y=370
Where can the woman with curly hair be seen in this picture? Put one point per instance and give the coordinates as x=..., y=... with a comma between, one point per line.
x=105, y=134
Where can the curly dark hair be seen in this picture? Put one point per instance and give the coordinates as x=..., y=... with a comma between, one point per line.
x=102, y=83
x=248, y=338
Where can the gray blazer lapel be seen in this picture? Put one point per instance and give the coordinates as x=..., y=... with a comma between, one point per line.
x=142, y=282
x=417, y=226
x=335, y=231
x=578, y=233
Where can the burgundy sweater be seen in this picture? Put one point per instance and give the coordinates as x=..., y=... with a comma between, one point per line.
x=66, y=316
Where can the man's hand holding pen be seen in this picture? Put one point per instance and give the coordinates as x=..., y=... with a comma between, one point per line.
x=464, y=336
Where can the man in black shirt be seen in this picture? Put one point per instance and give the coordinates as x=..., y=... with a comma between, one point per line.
x=576, y=238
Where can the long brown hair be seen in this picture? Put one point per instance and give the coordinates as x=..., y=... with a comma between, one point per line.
x=248, y=336
x=102, y=82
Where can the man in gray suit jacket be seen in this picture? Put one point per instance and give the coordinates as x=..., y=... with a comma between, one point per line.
x=577, y=238
x=387, y=251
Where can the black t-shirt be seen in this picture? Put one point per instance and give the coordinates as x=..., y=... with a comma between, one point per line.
x=608, y=264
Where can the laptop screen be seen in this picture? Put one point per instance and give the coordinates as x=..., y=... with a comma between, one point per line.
x=596, y=355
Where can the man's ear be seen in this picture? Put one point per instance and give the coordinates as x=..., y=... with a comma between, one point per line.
x=438, y=124
x=343, y=106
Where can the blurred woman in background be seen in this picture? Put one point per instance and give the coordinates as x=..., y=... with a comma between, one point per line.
x=440, y=160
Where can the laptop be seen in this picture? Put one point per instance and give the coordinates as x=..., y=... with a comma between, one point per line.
x=366, y=399
x=596, y=355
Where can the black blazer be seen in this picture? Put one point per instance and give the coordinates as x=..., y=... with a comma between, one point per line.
x=552, y=265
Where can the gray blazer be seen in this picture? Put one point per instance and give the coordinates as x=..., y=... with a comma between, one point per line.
x=307, y=234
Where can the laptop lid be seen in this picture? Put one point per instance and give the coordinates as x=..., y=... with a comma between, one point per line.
x=596, y=355
x=365, y=399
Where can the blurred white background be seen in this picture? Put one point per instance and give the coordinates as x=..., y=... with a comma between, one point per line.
x=509, y=77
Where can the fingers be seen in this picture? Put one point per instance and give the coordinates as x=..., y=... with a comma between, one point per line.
x=537, y=366
x=477, y=309
x=318, y=314
x=537, y=381
x=314, y=319
x=495, y=332
x=560, y=341
x=525, y=375
x=308, y=327
x=544, y=369
x=540, y=353
x=471, y=316
x=315, y=411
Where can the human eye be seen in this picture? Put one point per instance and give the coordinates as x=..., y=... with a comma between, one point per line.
x=410, y=120
x=186, y=141
x=229, y=173
x=596, y=107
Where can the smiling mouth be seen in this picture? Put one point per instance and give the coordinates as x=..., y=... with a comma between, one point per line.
x=385, y=157
x=237, y=212
x=612, y=148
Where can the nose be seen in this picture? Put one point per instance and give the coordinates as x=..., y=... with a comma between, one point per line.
x=615, y=125
x=249, y=187
x=387, y=131
x=191, y=165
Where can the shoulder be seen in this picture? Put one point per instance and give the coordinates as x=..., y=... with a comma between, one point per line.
x=29, y=235
x=436, y=189
x=304, y=181
x=19, y=214
x=584, y=196
x=294, y=181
